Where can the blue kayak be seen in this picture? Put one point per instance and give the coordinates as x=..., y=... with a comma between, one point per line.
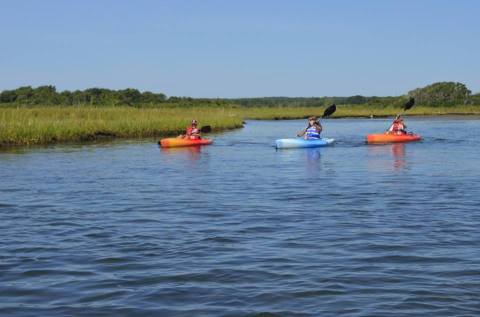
x=302, y=143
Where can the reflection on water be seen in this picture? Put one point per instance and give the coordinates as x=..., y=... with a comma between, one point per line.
x=398, y=153
x=386, y=156
x=188, y=152
x=313, y=165
x=313, y=155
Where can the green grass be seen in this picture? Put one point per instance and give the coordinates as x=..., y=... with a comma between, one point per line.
x=279, y=113
x=378, y=111
x=43, y=125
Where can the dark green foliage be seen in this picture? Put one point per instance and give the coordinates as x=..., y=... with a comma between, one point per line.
x=8, y=96
x=48, y=96
x=24, y=95
x=317, y=101
x=151, y=98
x=442, y=94
x=437, y=94
x=282, y=102
x=475, y=99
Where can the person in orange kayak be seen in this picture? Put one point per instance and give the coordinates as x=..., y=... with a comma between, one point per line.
x=398, y=127
x=312, y=131
x=191, y=132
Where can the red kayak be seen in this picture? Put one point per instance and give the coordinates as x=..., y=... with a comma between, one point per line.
x=178, y=142
x=392, y=138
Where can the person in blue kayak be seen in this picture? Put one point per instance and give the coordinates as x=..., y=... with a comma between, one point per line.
x=312, y=131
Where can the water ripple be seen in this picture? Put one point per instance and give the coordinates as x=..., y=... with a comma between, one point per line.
x=240, y=229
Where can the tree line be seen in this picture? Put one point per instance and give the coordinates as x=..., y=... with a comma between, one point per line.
x=437, y=94
x=434, y=95
x=48, y=95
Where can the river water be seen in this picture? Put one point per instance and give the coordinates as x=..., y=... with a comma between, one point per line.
x=241, y=229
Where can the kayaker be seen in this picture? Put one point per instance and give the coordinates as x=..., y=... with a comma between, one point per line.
x=398, y=126
x=312, y=131
x=192, y=132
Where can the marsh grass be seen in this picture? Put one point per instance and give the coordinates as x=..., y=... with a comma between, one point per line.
x=43, y=125
x=377, y=111
x=283, y=113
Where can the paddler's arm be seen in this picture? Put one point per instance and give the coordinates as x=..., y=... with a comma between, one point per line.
x=390, y=128
x=301, y=133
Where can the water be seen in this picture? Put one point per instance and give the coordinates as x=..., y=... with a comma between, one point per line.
x=240, y=229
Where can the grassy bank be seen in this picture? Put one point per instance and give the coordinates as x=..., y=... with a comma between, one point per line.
x=351, y=111
x=43, y=125
x=363, y=111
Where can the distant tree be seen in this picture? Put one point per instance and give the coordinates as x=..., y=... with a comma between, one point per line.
x=24, y=95
x=441, y=94
x=8, y=96
x=475, y=99
x=152, y=98
x=356, y=100
x=129, y=96
x=66, y=98
x=45, y=95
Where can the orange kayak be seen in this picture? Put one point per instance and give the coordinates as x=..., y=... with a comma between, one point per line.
x=178, y=142
x=392, y=138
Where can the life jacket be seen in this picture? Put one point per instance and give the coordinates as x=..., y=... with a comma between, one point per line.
x=397, y=127
x=312, y=133
x=191, y=130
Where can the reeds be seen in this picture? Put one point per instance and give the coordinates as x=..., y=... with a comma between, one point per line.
x=281, y=113
x=43, y=125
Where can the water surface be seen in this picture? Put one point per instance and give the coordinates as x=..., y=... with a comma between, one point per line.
x=240, y=229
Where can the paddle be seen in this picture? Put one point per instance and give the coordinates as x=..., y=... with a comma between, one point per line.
x=329, y=111
x=206, y=129
x=409, y=104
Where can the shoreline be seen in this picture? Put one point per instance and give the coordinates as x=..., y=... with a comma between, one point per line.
x=82, y=125
x=375, y=117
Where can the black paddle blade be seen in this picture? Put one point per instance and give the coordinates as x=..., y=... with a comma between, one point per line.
x=206, y=129
x=409, y=104
x=329, y=111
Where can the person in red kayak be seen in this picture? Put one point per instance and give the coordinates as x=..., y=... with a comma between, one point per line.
x=192, y=132
x=312, y=131
x=398, y=127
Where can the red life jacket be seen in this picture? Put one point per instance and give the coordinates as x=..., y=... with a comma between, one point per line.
x=191, y=130
x=397, y=127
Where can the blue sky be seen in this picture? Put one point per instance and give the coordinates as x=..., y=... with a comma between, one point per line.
x=246, y=48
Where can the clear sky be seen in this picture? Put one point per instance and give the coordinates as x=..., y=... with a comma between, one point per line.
x=240, y=48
